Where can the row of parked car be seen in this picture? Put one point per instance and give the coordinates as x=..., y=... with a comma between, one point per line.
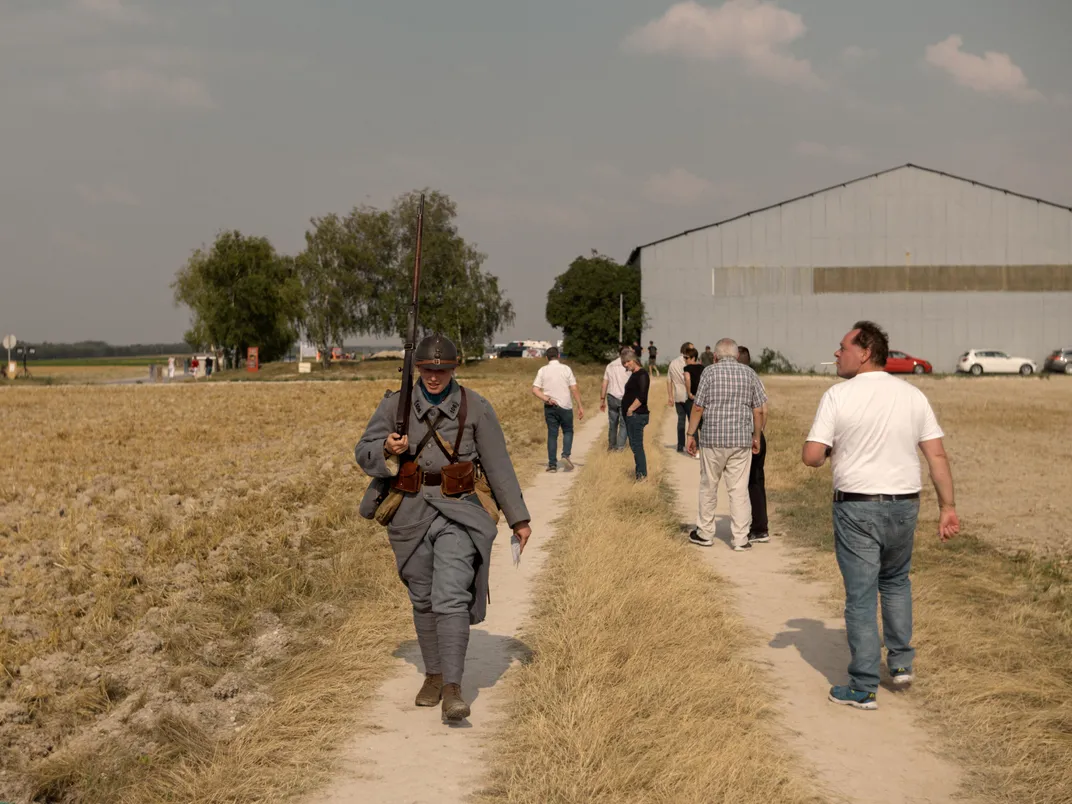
x=984, y=361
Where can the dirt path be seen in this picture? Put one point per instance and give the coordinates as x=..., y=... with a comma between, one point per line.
x=408, y=754
x=868, y=757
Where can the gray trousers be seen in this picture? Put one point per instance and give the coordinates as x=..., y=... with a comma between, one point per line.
x=438, y=576
x=616, y=434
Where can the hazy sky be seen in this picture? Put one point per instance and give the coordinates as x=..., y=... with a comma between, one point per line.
x=130, y=132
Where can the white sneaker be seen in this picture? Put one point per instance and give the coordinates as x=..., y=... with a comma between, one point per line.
x=740, y=548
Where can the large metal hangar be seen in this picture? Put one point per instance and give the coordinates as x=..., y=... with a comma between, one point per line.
x=945, y=264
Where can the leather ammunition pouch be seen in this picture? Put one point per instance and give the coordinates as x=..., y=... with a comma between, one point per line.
x=458, y=478
x=408, y=479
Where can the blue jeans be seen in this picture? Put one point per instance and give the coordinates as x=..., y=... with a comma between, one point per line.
x=635, y=425
x=558, y=417
x=873, y=545
x=616, y=433
x=684, y=410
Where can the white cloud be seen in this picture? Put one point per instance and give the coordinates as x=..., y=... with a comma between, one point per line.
x=107, y=194
x=120, y=86
x=753, y=32
x=846, y=154
x=990, y=73
x=855, y=53
x=676, y=187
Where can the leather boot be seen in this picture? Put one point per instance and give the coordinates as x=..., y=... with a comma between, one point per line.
x=431, y=690
x=454, y=708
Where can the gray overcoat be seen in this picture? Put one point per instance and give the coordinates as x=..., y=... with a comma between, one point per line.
x=483, y=439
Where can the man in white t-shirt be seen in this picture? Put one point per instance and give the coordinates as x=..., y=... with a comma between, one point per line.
x=554, y=385
x=677, y=394
x=870, y=427
x=610, y=401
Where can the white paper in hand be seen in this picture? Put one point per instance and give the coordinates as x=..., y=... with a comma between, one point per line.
x=515, y=546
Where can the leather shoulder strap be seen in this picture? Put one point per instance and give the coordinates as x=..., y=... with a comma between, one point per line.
x=461, y=422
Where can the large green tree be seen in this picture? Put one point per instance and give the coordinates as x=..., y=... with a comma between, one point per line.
x=584, y=304
x=458, y=298
x=241, y=293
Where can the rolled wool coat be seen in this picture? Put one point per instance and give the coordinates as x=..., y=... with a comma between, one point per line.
x=481, y=440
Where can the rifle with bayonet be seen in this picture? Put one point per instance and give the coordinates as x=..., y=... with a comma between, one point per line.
x=405, y=399
x=390, y=496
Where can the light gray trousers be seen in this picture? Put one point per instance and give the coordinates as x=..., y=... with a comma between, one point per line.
x=438, y=576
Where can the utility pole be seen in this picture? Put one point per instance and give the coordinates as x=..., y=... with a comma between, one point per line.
x=621, y=315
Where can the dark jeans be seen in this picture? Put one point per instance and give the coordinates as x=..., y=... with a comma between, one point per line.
x=873, y=545
x=558, y=417
x=635, y=425
x=684, y=410
x=757, y=488
x=616, y=433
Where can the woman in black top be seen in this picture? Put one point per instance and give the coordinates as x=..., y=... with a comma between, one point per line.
x=635, y=406
x=693, y=369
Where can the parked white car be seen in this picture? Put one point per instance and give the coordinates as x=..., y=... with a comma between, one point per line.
x=992, y=361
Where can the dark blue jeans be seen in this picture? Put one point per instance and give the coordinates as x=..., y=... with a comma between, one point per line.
x=684, y=410
x=616, y=433
x=634, y=425
x=873, y=545
x=558, y=417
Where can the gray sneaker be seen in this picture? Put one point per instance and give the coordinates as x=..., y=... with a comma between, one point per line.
x=740, y=548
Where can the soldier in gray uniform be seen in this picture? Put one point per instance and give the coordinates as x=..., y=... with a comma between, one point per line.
x=441, y=532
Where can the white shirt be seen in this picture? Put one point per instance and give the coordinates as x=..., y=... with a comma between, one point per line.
x=555, y=380
x=676, y=373
x=874, y=423
x=616, y=375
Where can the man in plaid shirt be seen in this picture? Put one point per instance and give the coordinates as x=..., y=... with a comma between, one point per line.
x=730, y=400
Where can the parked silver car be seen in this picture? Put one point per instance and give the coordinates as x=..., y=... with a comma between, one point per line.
x=1059, y=360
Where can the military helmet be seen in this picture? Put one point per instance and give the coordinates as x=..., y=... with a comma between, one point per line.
x=437, y=352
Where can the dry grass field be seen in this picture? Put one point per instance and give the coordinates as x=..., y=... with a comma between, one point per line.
x=640, y=690
x=190, y=607
x=44, y=373
x=993, y=608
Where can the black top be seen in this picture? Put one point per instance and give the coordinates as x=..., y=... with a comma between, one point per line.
x=653, y=351
x=694, y=370
x=636, y=387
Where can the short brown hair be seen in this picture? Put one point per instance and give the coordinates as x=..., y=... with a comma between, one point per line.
x=685, y=346
x=691, y=352
x=744, y=356
x=872, y=336
x=551, y=353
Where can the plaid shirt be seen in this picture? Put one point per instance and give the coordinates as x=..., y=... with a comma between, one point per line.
x=728, y=393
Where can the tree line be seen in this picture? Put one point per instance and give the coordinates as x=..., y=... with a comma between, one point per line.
x=352, y=278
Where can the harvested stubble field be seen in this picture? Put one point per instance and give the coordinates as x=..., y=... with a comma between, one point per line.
x=190, y=607
x=993, y=608
x=641, y=689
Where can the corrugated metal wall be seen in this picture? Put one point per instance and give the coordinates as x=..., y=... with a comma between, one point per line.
x=753, y=278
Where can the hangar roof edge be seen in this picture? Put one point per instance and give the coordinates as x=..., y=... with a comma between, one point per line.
x=636, y=251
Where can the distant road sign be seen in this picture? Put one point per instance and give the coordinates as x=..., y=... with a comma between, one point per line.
x=9, y=341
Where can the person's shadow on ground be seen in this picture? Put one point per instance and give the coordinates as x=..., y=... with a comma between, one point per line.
x=488, y=658
x=823, y=648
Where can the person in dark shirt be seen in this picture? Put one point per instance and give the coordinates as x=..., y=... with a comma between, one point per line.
x=635, y=407
x=693, y=369
x=653, y=356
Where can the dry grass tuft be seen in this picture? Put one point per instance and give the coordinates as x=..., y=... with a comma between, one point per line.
x=993, y=608
x=190, y=607
x=639, y=690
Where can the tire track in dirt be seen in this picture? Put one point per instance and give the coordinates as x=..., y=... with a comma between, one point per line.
x=407, y=754
x=878, y=757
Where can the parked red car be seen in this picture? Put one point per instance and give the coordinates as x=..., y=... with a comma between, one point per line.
x=900, y=363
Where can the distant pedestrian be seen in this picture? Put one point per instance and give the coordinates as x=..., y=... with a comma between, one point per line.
x=615, y=376
x=171, y=368
x=693, y=372
x=757, y=481
x=708, y=357
x=635, y=405
x=653, y=358
x=870, y=426
x=556, y=386
x=730, y=400
x=676, y=394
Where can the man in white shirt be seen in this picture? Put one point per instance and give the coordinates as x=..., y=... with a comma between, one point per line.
x=677, y=394
x=554, y=385
x=870, y=426
x=610, y=401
